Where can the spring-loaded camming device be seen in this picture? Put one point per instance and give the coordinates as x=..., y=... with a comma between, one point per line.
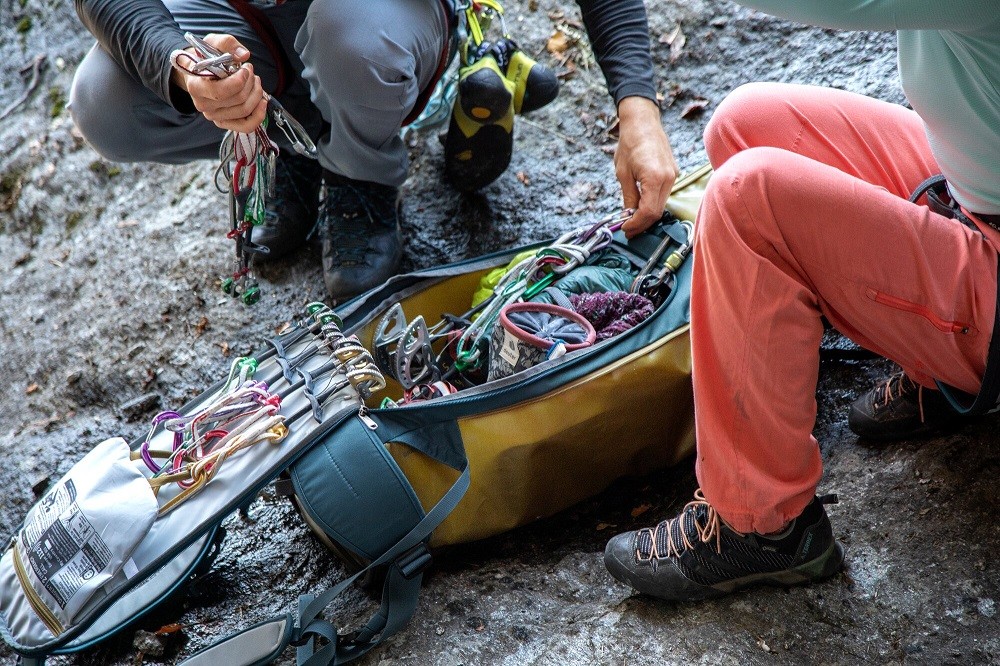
x=657, y=276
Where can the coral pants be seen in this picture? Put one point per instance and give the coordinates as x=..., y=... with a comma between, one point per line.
x=807, y=217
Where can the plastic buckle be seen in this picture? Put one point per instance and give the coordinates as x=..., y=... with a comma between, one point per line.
x=415, y=561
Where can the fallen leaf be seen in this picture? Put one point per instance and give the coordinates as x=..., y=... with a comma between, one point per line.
x=613, y=131
x=641, y=509
x=200, y=327
x=31, y=389
x=677, y=40
x=521, y=176
x=168, y=629
x=567, y=71
x=283, y=327
x=559, y=42
x=224, y=346
x=694, y=108
x=603, y=526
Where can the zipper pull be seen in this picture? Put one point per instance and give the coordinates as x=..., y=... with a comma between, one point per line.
x=368, y=421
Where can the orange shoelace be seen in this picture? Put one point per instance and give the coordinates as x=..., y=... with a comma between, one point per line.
x=705, y=533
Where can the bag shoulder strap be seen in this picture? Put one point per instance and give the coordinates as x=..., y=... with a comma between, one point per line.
x=407, y=560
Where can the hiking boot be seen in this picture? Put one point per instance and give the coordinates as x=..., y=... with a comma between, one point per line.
x=697, y=556
x=359, y=225
x=899, y=408
x=291, y=212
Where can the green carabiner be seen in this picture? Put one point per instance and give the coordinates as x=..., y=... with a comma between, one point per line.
x=534, y=289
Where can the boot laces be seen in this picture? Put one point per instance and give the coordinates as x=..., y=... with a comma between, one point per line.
x=352, y=215
x=704, y=526
x=896, y=387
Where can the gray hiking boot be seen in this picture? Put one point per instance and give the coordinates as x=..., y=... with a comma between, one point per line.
x=291, y=212
x=899, y=408
x=362, y=243
x=697, y=556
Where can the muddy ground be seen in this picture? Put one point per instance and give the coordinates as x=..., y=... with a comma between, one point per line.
x=109, y=310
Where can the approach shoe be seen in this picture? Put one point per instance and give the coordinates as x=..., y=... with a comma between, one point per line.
x=359, y=226
x=291, y=212
x=899, y=408
x=697, y=556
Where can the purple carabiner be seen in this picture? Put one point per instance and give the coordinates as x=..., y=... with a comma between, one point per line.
x=144, y=449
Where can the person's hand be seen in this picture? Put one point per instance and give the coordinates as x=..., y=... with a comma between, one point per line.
x=644, y=163
x=236, y=102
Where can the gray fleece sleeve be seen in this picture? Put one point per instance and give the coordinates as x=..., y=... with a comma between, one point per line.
x=139, y=35
x=619, y=35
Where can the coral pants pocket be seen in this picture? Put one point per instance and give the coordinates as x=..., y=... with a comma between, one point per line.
x=940, y=323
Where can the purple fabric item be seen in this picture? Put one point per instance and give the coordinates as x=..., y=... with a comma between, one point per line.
x=612, y=312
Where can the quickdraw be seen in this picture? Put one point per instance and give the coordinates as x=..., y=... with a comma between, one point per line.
x=531, y=276
x=246, y=165
x=243, y=413
x=479, y=15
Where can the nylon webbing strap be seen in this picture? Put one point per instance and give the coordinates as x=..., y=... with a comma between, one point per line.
x=399, y=597
x=408, y=559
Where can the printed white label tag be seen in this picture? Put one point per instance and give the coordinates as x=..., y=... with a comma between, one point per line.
x=509, y=350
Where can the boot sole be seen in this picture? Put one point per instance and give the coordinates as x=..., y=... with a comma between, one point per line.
x=482, y=93
x=476, y=161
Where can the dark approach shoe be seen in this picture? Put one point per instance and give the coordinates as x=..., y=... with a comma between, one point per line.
x=291, y=212
x=697, y=556
x=359, y=225
x=899, y=408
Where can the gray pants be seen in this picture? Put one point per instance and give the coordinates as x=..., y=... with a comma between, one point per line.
x=364, y=63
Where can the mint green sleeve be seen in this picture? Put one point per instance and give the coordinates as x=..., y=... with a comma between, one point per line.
x=957, y=15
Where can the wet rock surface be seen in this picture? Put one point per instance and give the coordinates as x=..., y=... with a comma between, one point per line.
x=109, y=310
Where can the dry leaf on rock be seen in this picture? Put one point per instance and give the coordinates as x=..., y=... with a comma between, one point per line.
x=558, y=43
x=676, y=40
x=641, y=509
x=694, y=108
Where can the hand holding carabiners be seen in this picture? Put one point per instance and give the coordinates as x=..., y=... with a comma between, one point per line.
x=236, y=102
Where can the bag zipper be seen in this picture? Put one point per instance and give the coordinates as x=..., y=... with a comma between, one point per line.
x=44, y=614
x=941, y=324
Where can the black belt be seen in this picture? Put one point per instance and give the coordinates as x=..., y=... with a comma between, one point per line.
x=992, y=220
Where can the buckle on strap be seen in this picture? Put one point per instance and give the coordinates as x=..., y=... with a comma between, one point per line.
x=415, y=561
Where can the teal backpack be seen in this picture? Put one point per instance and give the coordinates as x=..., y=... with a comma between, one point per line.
x=382, y=483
